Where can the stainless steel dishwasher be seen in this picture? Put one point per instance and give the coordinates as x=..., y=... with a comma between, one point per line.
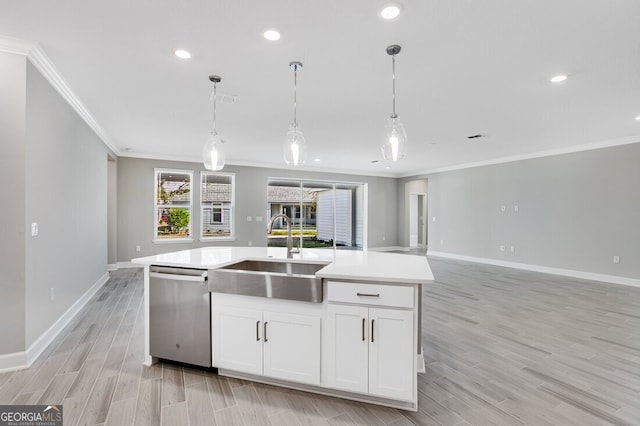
x=180, y=315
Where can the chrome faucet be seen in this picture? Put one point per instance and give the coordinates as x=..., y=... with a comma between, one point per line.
x=290, y=250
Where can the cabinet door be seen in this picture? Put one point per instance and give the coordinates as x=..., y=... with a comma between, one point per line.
x=347, y=347
x=237, y=339
x=391, y=353
x=292, y=347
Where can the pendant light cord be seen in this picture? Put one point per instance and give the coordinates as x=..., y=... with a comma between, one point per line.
x=393, y=66
x=295, y=95
x=214, y=107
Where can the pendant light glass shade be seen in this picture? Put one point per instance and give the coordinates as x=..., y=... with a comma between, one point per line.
x=213, y=155
x=295, y=147
x=394, y=144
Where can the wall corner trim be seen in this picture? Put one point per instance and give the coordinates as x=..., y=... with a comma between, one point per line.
x=41, y=61
x=614, y=279
x=41, y=343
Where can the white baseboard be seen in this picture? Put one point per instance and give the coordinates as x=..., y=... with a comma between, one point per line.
x=112, y=267
x=121, y=265
x=47, y=337
x=13, y=361
x=390, y=248
x=538, y=268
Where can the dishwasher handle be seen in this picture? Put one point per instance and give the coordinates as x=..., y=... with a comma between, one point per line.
x=176, y=277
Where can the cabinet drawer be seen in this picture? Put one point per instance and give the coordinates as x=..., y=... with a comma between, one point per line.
x=370, y=294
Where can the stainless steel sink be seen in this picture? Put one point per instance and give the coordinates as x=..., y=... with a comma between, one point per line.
x=275, y=279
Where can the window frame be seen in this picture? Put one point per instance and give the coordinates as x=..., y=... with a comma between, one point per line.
x=156, y=206
x=231, y=215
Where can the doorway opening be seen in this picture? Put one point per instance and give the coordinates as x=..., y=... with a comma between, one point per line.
x=417, y=220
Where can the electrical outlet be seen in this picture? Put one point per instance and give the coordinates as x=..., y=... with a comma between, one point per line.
x=516, y=208
x=249, y=243
x=34, y=229
x=249, y=218
x=258, y=218
x=441, y=242
x=503, y=208
x=384, y=238
x=616, y=259
x=52, y=294
x=434, y=219
x=138, y=248
x=512, y=249
x=503, y=248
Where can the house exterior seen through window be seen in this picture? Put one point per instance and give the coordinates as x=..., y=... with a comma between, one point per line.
x=173, y=203
x=217, y=196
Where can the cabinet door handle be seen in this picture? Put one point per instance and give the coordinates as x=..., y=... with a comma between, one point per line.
x=363, y=325
x=372, y=322
x=368, y=294
x=257, y=331
x=264, y=331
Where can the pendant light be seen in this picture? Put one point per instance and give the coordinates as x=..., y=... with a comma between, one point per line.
x=394, y=146
x=213, y=154
x=295, y=149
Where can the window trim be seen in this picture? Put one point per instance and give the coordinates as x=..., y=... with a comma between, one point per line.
x=188, y=238
x=232, y=236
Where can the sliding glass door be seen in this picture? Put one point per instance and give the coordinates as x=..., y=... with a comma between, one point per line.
x=323, y=214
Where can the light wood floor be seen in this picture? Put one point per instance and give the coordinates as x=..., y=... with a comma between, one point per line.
x=502, y=346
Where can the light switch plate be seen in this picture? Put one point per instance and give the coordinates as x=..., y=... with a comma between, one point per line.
x=34, y=229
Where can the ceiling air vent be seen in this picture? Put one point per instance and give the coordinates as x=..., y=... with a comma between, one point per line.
x=478, y=136
x=375, y=161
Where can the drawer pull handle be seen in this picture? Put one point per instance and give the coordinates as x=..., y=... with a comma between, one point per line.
x=368, y=295
x=257, y=331
x=363, y=325
x=372, y=322
x=264, y=332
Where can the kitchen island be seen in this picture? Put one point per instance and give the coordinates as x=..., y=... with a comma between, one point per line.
x=357, y=338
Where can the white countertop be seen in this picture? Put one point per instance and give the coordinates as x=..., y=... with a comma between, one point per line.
x=341, y=264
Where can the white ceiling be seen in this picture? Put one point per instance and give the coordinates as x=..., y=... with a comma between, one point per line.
x=466, y=67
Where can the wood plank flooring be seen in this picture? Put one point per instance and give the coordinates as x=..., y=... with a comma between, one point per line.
x=502, y=346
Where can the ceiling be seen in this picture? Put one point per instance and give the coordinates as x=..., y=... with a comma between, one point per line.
x=466, y=67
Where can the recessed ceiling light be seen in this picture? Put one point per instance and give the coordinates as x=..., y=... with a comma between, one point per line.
x=390, y=11
x=317, y=160
x=558, y=78
x=182, y=54
x=638, y=117
x=271, y=34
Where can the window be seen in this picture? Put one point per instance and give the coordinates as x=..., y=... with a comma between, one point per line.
x=217, y=199
x=216, y=214
x=173, y=201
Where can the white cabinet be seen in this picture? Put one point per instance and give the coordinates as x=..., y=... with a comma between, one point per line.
x=273, y=344
x=370, y=349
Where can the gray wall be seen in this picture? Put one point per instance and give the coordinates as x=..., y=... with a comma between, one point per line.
x=12, y=216
x=112, y=212
x=55, y=173
x=576, y=211
x=66, y=193
x=136, y=192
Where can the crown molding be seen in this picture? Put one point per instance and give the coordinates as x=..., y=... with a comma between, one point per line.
x=278, y=166
x=43, y=64
x=539, y=154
